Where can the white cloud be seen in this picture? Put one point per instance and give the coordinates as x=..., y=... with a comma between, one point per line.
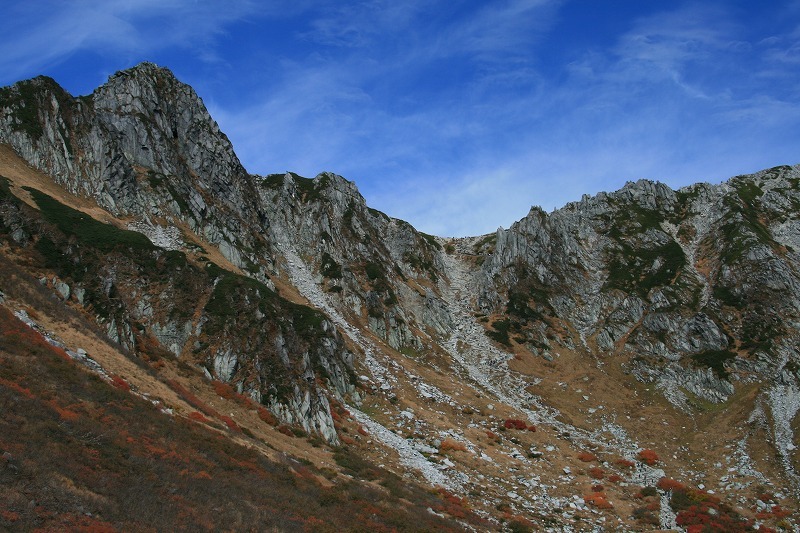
x=442, y=112
x=41, y=33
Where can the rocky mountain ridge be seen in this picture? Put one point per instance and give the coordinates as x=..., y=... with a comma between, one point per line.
x=681, y=304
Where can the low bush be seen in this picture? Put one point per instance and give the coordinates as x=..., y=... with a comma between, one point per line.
x=513, y=423
x=452, y=444
x=587, y=457
x=596, y=473
x=649, y=457
x=599, y=500
x=666, y=483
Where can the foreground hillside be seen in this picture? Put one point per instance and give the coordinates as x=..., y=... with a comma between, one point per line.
x=81, y=451
x=628, y=362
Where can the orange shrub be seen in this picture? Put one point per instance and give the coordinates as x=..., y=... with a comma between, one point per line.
x=615, y=478
x=267, y=417
x=233, y=426
x=624, y=463
x=223, y=389
x=666, y=483
x=587, y=457
x=451, y=444
x=648, y=457
x=120, y=383
x=191, y=399
x=64, y=413
x=596, y=473
x=513, y=423
x=598, y=500
x=16, y=388
x=198, y=417
x=779, y=512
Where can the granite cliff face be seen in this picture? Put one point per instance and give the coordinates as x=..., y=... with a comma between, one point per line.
x=297, y=293
x=697, y=286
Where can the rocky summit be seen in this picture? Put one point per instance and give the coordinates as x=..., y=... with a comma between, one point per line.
x=628, y=362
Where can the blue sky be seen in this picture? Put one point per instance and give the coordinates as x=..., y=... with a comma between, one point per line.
x=454, y=115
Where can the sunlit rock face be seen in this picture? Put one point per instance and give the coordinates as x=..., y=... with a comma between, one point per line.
x=695, y=292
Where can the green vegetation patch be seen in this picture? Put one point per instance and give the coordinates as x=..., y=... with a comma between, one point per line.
x=748, y=192
x=310, y=191
x=500, y=332
x=330, y=268
x=233, y=291
x=373, y=271
x=430, y=239
x=104, y=237
x=22, y=99
x=273, y=181
x=715, y=360
x=631, y=271
x=633, y=219
x=5, y=191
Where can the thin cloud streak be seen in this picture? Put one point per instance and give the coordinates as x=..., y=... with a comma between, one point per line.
x=457, y=116
x=40, y=33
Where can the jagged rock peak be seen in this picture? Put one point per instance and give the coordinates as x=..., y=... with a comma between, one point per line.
x=325, y=185
x=145, y=69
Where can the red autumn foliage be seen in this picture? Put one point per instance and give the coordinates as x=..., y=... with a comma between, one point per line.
x=666, y=483
x=615, y=478
x=16, y=388
x=514, y=423
x=452, y=444
x=625, y=463
x=587, y=457
x=596, y=473
x=191, y=399
x=598, y=500
x=362, y=431
x=15, y=332
x=697, y=518
x=223, y=389
x=64, y=413
x=202, y=474
x=267, y=417
x=779, y=512
x=598, y=488
x=167, y=472
x=492, y=435
x=775, y=512
x=120, y=383
x=233, y=426
x=648, y=457
x=199, y=417
x=451, y=498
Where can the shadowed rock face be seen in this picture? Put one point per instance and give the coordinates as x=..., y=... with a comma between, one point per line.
x=696, y=291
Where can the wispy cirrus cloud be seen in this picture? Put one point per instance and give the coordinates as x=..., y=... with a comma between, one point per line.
x=38, y=33
x=458, y=115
